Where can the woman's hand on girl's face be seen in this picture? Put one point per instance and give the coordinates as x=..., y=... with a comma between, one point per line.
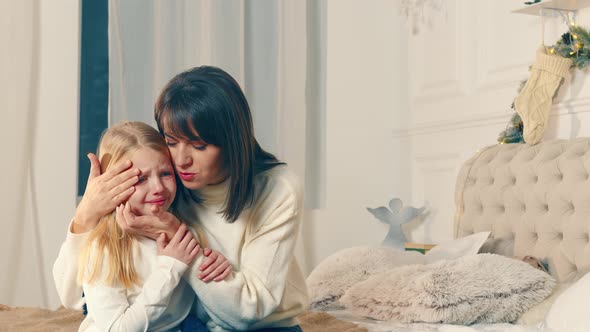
x=104, y=192
x=214, y=267
x=161, y=222
x=183, y=246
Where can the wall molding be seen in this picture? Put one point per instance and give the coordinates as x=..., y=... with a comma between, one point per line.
x=501, y=77
x=429, y=158
x=564, y=108
x=454, y=124
x=437, y=91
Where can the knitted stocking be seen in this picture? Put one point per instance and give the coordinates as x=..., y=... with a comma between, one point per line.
x=535, y=99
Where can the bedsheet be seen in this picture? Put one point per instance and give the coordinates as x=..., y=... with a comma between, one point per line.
x=383, y=326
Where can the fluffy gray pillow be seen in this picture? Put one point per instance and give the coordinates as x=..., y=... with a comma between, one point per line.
x=337, y=273
x=483, y=288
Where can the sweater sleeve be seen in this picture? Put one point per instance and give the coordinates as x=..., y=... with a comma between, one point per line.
x=65, y=271
x=110, y=306
x=256, y=290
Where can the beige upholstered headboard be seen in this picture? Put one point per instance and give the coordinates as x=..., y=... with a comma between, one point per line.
x=534, y=199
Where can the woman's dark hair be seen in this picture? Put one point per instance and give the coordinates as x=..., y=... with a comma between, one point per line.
x=210, y=101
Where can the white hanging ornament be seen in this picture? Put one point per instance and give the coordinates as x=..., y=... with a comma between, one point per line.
x=420, y=12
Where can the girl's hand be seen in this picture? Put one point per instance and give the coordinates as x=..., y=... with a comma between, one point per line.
x=103, y=192
x=214, y=267
x=183, y=246
x=151, y=226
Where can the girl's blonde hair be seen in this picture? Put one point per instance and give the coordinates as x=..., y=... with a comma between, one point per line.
x=116, y=144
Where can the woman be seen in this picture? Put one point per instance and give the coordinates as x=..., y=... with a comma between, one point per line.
x=247, y=204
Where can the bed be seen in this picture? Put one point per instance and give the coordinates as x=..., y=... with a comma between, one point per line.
x=535, y=201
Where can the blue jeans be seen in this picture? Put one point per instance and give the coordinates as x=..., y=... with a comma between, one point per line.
x=193, y=324
x=295, y=328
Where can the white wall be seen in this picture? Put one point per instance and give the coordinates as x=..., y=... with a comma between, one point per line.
x=31, y=246
x=465, y=75
x=366, y=98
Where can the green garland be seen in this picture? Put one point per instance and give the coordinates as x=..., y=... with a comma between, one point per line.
x=514, y=128
x=513, y=131
x=574, y=44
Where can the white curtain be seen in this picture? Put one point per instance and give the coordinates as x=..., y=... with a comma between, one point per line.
x=261, y=43
x=19, y=33
x=39, y=70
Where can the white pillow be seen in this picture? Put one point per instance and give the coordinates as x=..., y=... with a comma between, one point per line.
x=537, y=314
x=468, y=245
x=336, y=274
x=569, y=312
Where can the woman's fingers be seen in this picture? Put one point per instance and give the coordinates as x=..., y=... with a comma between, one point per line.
x=124, y=196
x=153, y=225
x=119, y=178
x=126, y=184
x=117, y=169
x=224, y=274
x=105, y=191
x=123, y=191
x=210, y=263
x=217, y=272
x=207, y=262
x=209, y=273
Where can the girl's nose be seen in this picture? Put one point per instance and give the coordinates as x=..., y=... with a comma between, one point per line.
x=157, y=186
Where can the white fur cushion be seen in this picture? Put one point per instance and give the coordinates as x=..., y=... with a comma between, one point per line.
x=337, y=273
x=483, y=288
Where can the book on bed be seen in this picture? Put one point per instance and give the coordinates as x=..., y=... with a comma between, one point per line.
x=419, y=247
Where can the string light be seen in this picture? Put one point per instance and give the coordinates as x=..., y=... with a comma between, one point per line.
x=575, y=44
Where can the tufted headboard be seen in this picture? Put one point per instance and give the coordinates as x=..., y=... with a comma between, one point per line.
x=534, y=199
